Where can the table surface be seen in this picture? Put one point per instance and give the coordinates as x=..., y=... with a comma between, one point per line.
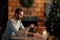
x=26, y=38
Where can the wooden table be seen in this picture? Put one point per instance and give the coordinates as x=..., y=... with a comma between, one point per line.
x=26, y=38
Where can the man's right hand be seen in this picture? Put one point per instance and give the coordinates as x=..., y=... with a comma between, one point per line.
x=32, y=26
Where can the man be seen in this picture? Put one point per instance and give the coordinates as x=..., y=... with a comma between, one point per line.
x=14, y=24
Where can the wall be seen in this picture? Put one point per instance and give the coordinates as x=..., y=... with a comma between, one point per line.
x=36, y=10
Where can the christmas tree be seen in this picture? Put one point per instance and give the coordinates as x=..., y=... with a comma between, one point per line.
x=53, y=22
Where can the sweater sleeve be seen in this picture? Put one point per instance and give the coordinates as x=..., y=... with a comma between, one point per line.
x=21, y=25
x=12, y=26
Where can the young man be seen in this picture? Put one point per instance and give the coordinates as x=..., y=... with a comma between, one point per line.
x=14, y=24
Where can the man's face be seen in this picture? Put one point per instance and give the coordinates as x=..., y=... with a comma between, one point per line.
x=20, y=15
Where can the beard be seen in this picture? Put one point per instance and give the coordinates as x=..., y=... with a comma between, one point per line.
x=19, y=18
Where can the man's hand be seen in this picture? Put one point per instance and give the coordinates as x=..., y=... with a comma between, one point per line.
x=28, y=28
x=32, y=26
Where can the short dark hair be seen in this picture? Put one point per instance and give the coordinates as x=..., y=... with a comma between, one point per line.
x=17, y=10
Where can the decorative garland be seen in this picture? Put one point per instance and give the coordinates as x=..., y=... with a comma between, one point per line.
x=27, y=3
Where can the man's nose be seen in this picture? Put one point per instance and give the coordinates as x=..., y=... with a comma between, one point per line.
x=20, y=16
